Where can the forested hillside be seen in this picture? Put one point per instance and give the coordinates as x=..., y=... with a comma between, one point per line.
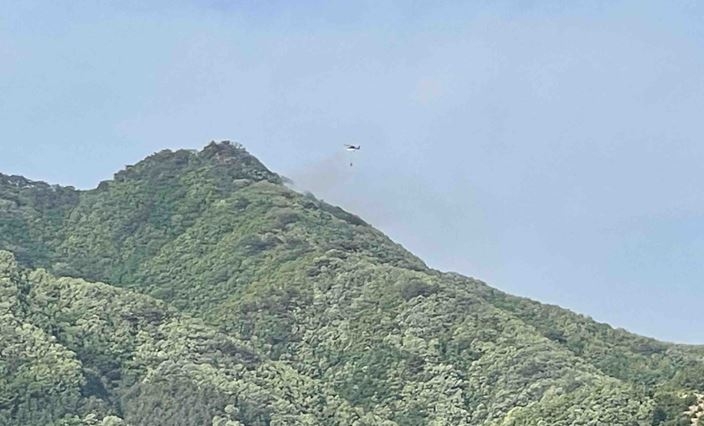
x=230, y=299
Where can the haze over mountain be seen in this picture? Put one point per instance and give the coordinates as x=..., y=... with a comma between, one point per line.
x=195, y=287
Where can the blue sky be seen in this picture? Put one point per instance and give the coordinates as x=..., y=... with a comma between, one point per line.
x=552, y=150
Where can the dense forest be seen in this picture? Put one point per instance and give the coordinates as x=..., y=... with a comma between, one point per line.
x=196, y=288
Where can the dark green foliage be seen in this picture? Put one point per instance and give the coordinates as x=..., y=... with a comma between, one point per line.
x=30, y=214
x=415, y=288
x=670, y=408
x=233, y=300
x=172, y=401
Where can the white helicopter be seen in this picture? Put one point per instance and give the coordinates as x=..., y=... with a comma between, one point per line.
x=353, y=148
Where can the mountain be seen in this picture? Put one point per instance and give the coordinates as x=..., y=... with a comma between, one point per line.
x=196, y=288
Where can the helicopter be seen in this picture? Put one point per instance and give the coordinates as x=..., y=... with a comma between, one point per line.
x=353, y=148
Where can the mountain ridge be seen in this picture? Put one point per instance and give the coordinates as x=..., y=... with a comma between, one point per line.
x=216, y=236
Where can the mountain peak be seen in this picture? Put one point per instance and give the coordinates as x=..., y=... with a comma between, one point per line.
x=235, y=155
x=223, y=150
x=227, y=159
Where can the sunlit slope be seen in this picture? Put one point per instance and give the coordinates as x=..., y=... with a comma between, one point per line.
x=75, y=352
x=218, y=237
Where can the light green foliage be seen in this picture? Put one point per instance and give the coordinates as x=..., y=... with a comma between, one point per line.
x=233, y=300
x=39, y=379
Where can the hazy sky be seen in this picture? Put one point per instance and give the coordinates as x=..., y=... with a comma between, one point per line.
x=552, y=150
